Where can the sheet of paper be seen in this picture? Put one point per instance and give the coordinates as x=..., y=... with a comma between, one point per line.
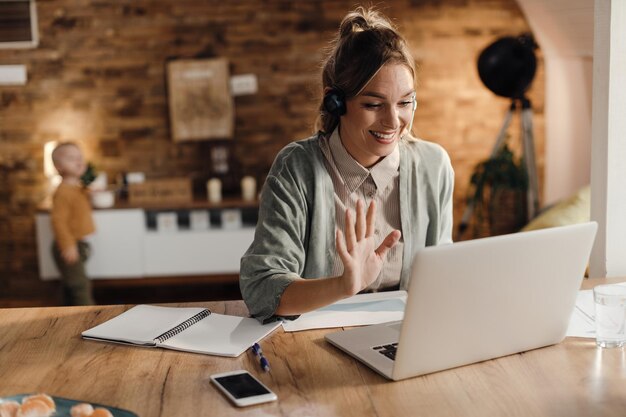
x=582, y=322
x=359, y=310
x=221, y=335
x=365, y=309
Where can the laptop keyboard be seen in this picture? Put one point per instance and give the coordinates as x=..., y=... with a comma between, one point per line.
x=387, y=350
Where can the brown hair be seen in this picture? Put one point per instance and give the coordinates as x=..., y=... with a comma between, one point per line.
x=365, y=42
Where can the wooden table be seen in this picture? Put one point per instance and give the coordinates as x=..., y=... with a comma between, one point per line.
x=41, y=351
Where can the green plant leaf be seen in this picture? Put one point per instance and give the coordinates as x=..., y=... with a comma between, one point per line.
x=89, y=175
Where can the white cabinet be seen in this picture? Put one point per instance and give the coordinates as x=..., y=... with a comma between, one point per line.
x=117, y=245
x=124, y=247
x=193, y=252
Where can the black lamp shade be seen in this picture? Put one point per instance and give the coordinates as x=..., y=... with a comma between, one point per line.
x=507, y=66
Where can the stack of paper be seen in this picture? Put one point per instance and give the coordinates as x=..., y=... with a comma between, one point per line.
x=359, y=310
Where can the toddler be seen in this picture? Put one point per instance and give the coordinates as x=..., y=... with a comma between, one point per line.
x=71, y=223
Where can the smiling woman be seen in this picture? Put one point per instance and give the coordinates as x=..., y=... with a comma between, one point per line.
x=378, y=117
x=345, y=210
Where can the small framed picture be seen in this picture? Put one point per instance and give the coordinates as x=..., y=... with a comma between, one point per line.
x=199, y=220
x=167, y=222
x=231, y=219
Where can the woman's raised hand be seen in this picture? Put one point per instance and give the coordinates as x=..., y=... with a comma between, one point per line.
x=362, y=262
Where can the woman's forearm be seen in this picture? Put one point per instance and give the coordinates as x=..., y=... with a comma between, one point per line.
x=305, y=295
x=362, y=263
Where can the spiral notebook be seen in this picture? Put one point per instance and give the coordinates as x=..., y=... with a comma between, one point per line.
x=188, y=329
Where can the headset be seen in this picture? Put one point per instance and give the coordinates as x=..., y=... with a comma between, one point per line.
x=335, y=102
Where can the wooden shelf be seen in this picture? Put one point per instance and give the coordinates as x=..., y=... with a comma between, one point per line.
x=194, y=205
x=190, y=280
x=167, y=289
x=198, y=204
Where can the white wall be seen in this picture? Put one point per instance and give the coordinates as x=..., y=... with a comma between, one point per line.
x=584, y=47
x=568, y=126
x=564, y=31
x=608, y=166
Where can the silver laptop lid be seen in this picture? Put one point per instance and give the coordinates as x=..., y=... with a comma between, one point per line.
x=485, y=298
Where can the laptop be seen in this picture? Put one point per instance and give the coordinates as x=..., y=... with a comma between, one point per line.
x=477, y=300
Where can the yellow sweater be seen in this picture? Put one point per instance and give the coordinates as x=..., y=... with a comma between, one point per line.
x=71, y=215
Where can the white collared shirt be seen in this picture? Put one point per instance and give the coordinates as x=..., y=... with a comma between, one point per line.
x=351, y=182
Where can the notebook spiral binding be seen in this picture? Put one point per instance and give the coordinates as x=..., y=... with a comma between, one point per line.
x=182, y=326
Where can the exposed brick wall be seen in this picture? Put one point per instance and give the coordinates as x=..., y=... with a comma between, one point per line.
x=98, y=77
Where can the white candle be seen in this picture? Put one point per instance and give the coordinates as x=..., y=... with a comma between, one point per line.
x=248, y=188
x=214, y=190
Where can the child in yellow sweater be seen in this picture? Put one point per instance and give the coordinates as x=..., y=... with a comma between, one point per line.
x=71, y=223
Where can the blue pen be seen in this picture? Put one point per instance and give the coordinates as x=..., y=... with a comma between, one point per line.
x=265, y=364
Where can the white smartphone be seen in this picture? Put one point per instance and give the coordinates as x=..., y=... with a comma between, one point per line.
x=242, y=388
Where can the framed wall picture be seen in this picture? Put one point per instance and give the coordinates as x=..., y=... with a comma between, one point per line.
x=18, y=24
x=200, y=102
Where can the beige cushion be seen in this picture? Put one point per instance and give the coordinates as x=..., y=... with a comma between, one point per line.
x=575, y=209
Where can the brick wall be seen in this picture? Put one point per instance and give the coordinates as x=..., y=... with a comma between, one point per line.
x=98, y=77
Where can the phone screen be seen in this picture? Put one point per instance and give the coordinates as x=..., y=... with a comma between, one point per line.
x=242, y=385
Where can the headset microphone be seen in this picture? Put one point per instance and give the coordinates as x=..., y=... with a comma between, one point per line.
x=412, y=116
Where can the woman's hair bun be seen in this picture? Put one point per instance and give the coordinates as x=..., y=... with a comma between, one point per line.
x=362, y=19
x=366, y=41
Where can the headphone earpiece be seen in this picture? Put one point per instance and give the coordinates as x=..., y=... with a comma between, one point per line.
x=335, y=102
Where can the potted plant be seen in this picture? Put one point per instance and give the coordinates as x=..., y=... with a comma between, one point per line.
x=498, y=188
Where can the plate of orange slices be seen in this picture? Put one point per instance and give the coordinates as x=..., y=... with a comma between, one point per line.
x=43, y=405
